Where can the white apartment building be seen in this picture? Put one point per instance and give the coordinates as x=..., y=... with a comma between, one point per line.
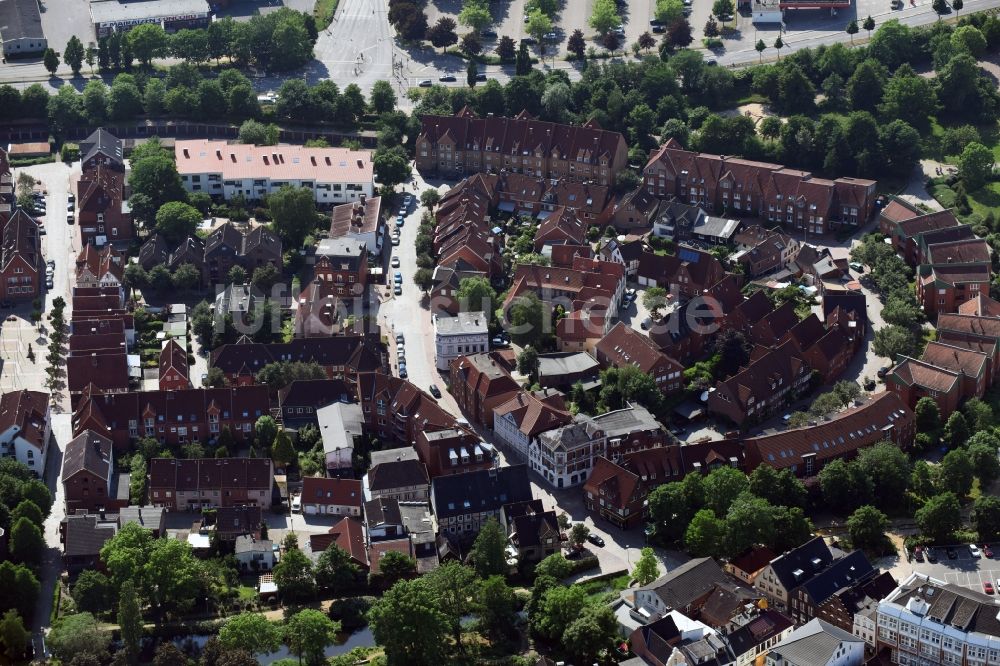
x=926, y=621
x=25, y=427
x=336, y=175
x=818, y=643
x=461, y=335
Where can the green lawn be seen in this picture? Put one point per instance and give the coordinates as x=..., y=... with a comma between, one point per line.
x=603, y=590
x=987, y=198
x=324, y=11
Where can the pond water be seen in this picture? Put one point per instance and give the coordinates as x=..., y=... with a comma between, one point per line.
x=345, y=643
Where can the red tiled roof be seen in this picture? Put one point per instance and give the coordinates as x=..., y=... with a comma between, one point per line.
x=956, y=359
x=340, y=492
x=613, y=483
x=914, y=372
x=624, y=346
x=533, y=415
x=349, y=535
x=28, y=410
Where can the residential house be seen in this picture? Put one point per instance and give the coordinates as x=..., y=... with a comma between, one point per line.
x=172, y=417
x=973, y=332
x=764, y=386
x=980, y=306
x=397, y=474
x=531, y=530
x=20, y=257
x=254, y=554
x=747, y=565
x=806, y=450
x=761, y=632
x=944, y=287
x=88, y=474
x=519, y=421
x=677, y=639
x=147, y=517
x=464, y=334
x=903, y=223
x=103, y=214
x=817, y=597
x=626, y=253
x=818, y=644
x=636, y=210
x=360, y=221
x=341, y=425
x=913, y=379
x=460, y=144
x=462, y=503
x=623, y=347
x=173, y=367
x=101, y=148
x=780, y=195
x=99, y=268
x=339, y=497
x=299, y=400
x=205, y=483
x=926, y=620
x=335, y=175
x=615, y=494
x=561, y=370
x=560, y=227
x=479, y=386
x=342, y=356
x=25, y=428
x=447, y=280
x=383, y=520
x=785, y=573
x=682, y=222
x=342, y=262
x=232, y=522
x=83, y=537
x=686, y=589
x=761, y=251
x=347, y=534
x=453, y=450
x=228, y=246
x=687, y=273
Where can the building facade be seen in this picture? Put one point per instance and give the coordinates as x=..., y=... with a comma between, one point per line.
x=465, y=333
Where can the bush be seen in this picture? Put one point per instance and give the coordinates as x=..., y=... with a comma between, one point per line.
x=70, y=152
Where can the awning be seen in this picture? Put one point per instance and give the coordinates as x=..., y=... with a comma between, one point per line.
x=506, y=206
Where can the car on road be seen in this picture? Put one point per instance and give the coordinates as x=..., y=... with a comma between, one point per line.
x=398, y=291
x=595, y=539
x=711, y=61
x=987, y=551
x=394, y=262
x=69, y=218
x=896, y=4
x=659, y=29
x=395, y=240
x=426, y=83
x=489, y=34
x=931, y=555
x=397, y=277
x=987, y=587
x=952, y=553
x=402, y=372
x=481, y=76
x=447, y=78
x=435, y=391
x=974, y=551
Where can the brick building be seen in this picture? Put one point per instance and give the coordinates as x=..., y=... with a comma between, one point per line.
x=205, y=483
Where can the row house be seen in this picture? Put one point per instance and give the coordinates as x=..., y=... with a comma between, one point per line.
x=560, y=227
x=174, y=373
x=220, y=169
x=336, y=497
x=88, y=474
x=323, y=310
x=207, y=483
x=397, y=474
x=519, y=421
x=531, y=530
x=480, y=385
x=228, y=246
x=770, y=191
x=980, y=306
x=981, y=333
x=761, y=251
x=928, y=621
x=462, y=503
x=637, y=211
x=615, y=494
x=361, y=221
x=682, y=222
x=847, y=311
x=784, y=574
x=98, y=370
x=100, y=192
x=948, y=237
x=565, y=456
x=299, y=400
x=623, y=347
x=949, y=374
x=903, y=224
x=943, y=288
x=805, y=451
x=590, y=282
x=464, y=144
x=687, y=273
x=25, y=428
x=524, y=194
x=447, y=281
x=453, y=450
x=827, y=348
x=764, y=386
x=626, y=252
x=341, y=357
x=775, y=327
x=21, y=257
x=172, y=417
x=99, y=267
x=850, y=586
x=156, y=252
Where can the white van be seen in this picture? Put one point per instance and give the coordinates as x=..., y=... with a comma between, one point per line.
x=296, y=503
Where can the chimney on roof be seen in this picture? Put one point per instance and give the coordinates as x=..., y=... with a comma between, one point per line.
x=218, y=154
x=186, y=153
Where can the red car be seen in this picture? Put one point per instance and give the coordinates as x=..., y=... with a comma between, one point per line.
x=987, y=587
x=987, y=551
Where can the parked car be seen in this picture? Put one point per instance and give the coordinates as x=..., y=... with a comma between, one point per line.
x=952, y=553
x=400, y=347
x=987, y=587
x=395, y=240
x=400, y=220
x=402, y=372
x=653, y=23
x=987, y=551
x=883, y=371
x=499, y=341
x=394, y=262
x=69, y=218
x=918, y=554
x=398, y=291
x=551, y=37
x=857, y=267
x=296, y=503
x=595, y=539
x=931, y=555
x=400, y=340
x=974, y=551
x=489, y=34
x=896, y=4
x=481, y=76
x=51, y=262
x=659, y=29
x=397, y=277
x=49, y=284
x=435, y=391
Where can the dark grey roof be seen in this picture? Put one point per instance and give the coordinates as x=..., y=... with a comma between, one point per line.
x=393, y=455
x=89, y=451
x=768, y=624
x=397, y=474
x=150, y=517
x=86, y=534
x=849, y=301
x=966, y=610
x=634, y=418
x=480, y=491
x=315, y=393
x=694, y=578
x=845, y=572
x=566, y=363
x=799, y=565
x=383, y=511
x=812, y=644
x=19, y=19
x=104, y=142
x=245, y=543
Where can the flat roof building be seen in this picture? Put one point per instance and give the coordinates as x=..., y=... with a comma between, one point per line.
x=112, y=15
x=465, y=333
x=21, y=28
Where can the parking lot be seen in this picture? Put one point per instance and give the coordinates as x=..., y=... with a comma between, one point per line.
x=964, y=570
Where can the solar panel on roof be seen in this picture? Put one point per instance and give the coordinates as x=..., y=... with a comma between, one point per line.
x=689, y=255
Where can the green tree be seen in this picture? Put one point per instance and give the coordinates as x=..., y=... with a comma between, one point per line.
x=408, y=624
x=92, y=592
x=893, y=342
x=722, y=486
x=538, y=24
x=750, y=520
x=265, y=430
x=392, y=166
x=78, y=634
x=155, y=177
x=653, y=299
x=705, y=535
x=576, y=44
x=73, y=54
x=867, y=526
x=51, y=61
x=779, y=487
x=604, y=16
x=558, y=608
x=910, y=98
x=760, y=48
x=251, y=632
x=970, y=39
x=939, y=517
x=888, y=470
x=130, y=621
x=844, y=485
x=475, y=14
x=335, y=570
x=148, y=41
x=308, y=633
x=975, y=166
x=293, y=214
x=956, y=430
x=13, y=636
x=282, y=451
x=666, y=11
x=293, y=576
x=496, y=606
x=95, y=102
x=986, y=517
x=253, y=132
x=488, y=551
x=983, y=457
x=647, y=569
x=921, y=479
x=955, y=474
x=869, y=25
x=454, y=586
x=529, y=320
x=852, y=29
x=442, y=34
x=528, y=363
x=27, y=509
x=176, y=220
x=475, y=294
x=673, y=505
x=591, y=633
x=26, y=542
x=928, y=416
x=395, y=566
x=20, y=588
